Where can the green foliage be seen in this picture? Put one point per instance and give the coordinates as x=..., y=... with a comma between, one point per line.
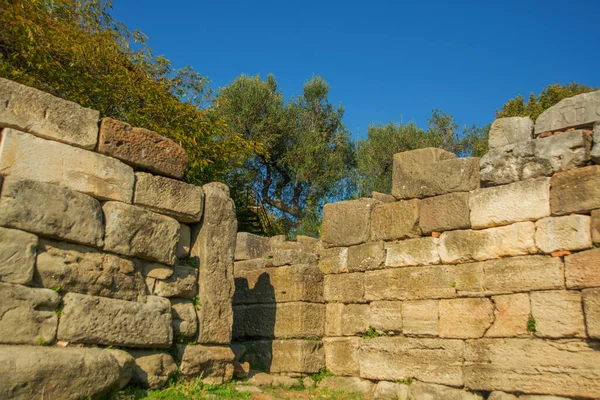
x=406, y=381
x=178, y=389
x=56, y=289
x=42, y=341
x=531, y=324
x=322, y=374
x=370, y=333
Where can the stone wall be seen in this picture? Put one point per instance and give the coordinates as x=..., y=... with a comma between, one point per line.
x=102, y=245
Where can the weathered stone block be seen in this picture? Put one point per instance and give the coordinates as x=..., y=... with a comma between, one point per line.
x=347, y=223
x=565, y=368
x=522, y=274
x=156, y=270
x=285, y=356
x=404, y=169
x=386, y=316
x=565, y=151
x=420, y=317
x=428, y=391
x=557, y=314
x=463, y=246
x=341, y=355
x=445, y=213
x=42, y=114
x=583, y=269
x=391, y=391
x=98, y=320
x=511, y=314
x=152, y=369
x=278, y=258
x=133, y=231
x=570, y=232
x=241, y=268
x=347, y=384
x=333, y=260
x=79, y=269
x=142, y=148
x=25, y=156
x=410, y=283
x=176, y=199
x=185, y=320
x=521, y=201
x=344, y=288
x=572, y=112
x=383, y=197
x=510, y=130
x=591, y=307
x=595, y=215
x=17, y=255
x=185, y=241
x=465, y=318
x=498, y=395
x=51, y=211
x=249, y=246
x=398, y=220
x=398, y=358
x=214, y=364
x=346, y=319
x=28, y=315
x=410, y=252
x=595, y=153
x=182, y=283
x=367, y=256
x=575, y=191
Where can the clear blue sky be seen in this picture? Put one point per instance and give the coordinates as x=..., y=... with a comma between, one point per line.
x=384, y=60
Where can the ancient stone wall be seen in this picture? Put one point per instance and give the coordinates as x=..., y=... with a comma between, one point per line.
x=102, y=245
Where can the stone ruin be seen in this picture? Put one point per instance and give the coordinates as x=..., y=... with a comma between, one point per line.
x=476, y=279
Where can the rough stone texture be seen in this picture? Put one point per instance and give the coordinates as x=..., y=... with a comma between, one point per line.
x=563, y=368
x=98, y=320
x=398, y=220
x=241, y=268
x=27, y=316
x=73, y=373
x=278, y=258
x=463, y=246
x=347, y=223
x=345, y=288
x=511, y=313
x=420, y=317
x=498, y=395
x=183, y=283
x=386, y=316
x=595, y=153
x=503, y=205
x=215, y=247
x=213, y=363
x=366, y=256
x=347, y=384
x=341, y=355
x=410, y=283
x=334, y=260
x=535, y=397
x=510, y=130
x=445, y=213
x=428, y=391
x=397, y=358
x=176, y=199
x=156, y=270
x=465, y=318
x=285, y=356
x=565, y=151
x=42, y=114
x=185, y=241
x=410, y=252
x=185, y=320
x=142, y=148
x=133, y=231
x=152, y=369
x=27, y=157
x=383, y=197
x=17, y=255
x=591, y=306
x=51, y=211
x=557, y=314
x=575, y=191
x=572, y=112
x=571, y=232
x=595, y=214
x=126, y=365
x=391, y=391
x=407, y=162
x=346, y=319
x=249, y=246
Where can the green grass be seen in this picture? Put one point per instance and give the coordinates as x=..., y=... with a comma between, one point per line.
x=178, y=389
x=531, y=324
x=370, y=333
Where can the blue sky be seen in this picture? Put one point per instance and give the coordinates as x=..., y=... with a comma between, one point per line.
x=384, y=60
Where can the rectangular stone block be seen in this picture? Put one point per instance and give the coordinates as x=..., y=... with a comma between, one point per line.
x=99, y=320
x=503, y=205
x=510, y=130
x=411, y=252
x=342, y=355
x=241, y=268
x=212, y=364
x=572, y=112
x=79, y=269
x=346, y=319
x=31, y=110
x=142, y=148
x=557, y=314
x=386, y=316
x=347, y=223
x=182, y=283
x=344, y=288
x=465, y=318
x=285, y=356
x=17, y=256
x=185, y=320
x=278, y=258
x=133, y=231
x=27, y=157
x=583, y=269
x=51, y=211
x=571, y=232
x=397, y=358
x=404, y=169
x=559, y=367
x=398, y=220
x=333, y=260
x=177, y=199
x=511, y=313
x=591, y=307
x=575, y=191
x=249, y=246
x=28, y=316
x=445, y=213
x=471, y=245
x=420, y=317
x=367, y=256
x=411, y=283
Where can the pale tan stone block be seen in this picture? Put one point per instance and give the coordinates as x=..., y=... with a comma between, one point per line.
x=345, y=288
x=333, y=260
x=365, y=257
x=341, y=355
x=420, y=317
x=465, y=318
x=591, y=306
x=511, y=313
x=571, y=232
x=423, y=251
x=557, y=314
x=386, y=316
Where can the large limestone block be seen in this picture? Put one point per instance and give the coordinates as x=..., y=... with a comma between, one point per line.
x=333, y=260
x=28, y=157
x=344, y=288
x=521, y=201
x=565, y=151
x=215, y=247
x=176, y=199
x=17, y=256
x=142, y=148
x=386, y=316
x=465, y=318
x=423, y=251
x=182, y=283
x=405, y=165
x=214, y=364
x=347, y=384
x=342, y=355
x=575, y=191
x=99, y=320
x=383, y=197
x=428, y=391
x=367, y=256
x=347, y=223
x=583, y=269
x=510, y=130
x=278, y=258
x=557, y=314
x=28, y=372
x=31, y=110
x=27, y=316
x=420, y=317
x=133, y=231
x=591, y=307
x=571, y=232
x=503, y=241
x=391, y=391
x=398, y=220
x=398, y=358
x=445, y=213
x=52, y=211
x=572, y=112
x=185, y=320
x=152, y=369
x=285, y=356
x=558, y=367
x=79, y=269
x=249, y=246
x=511, y=314
x=346, y=319
x=241, y=268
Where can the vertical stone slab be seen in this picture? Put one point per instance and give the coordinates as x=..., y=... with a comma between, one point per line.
x=591, y=307
x=17, y=256
x=214, y=245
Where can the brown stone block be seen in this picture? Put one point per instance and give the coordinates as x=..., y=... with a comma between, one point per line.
x=557, y=314
x=347, y=223
x=465, y=318
x=386, y=316
x=583, y=269
x=420, y=317
x=574, y=191
x=346, y=319
x=367, y=256
x=392, y=221
x=445, y=213
x=285, y=356
x=342, y=355
x=591, y=307
x=344, y=288
x=511, y=313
